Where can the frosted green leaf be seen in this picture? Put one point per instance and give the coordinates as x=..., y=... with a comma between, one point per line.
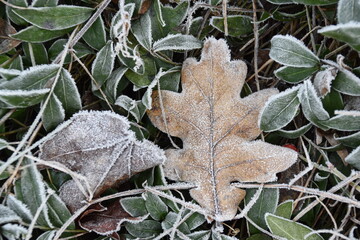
x=37, y=35
x=346, y=82
x=142, y=31
x=95, y=36
x=348, y=10
x=312, y=106
x=67, y=92
x=115, y=83
x=155, y=206
x=266, y=203
x=19, y=208
x=135, y=108
x=354, y=158
x=53, y=114
x=10, y=11
x=352, y=140
x=170, y=221
x=58, y=212
x=293, y=134
x=347, y=32
x=294, y=74
x=285, y=209
x=292, y=52
x=38, y=51
x=344, y=122
x=55, y=18
x=9, y=74
x=279, y=110
x=7, y=215
x=13, y=231
x=80, y=50
x=44, y=3
x=135, y=206
x=177, y=42
x=237, y=24
x=195, y=220
x=103, y=65
x=144, y=229
x=288, y=229
x=49, y=235
x=21, y=98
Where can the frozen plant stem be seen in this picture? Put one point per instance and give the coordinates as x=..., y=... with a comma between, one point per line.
x=256, y=46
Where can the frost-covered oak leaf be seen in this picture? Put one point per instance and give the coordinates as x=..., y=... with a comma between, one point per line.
x=217, y=128
x=101, y=147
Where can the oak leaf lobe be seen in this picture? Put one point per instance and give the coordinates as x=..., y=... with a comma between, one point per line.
x=217, y=128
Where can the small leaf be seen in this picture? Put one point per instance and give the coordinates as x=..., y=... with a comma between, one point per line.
x=7, y=215
x=53, y=114
x=288, y=229
x=200, y=235
x=294, y=134
x=144, y=229
x=7, y=43
x=279, y=110
x=347, y=32
x=19, y=208
x=285, y=209
x=80, y=50
x=33, y=78
x=170, y=221
x=9, y=74
x=115, y=83
x=294, y=74
x=352, y=140
x=323, y=80
x=346, y=82
x=67, y=92
x=95, y=36
x=311, y=105
x=55, y=18
x=155, y=207
x=58, y=212
x=135, y=206
x=266, y=203
x=135, y=108
x=354, y=158
x=142, y=31
x=37, y=35
x=195, y=220
x=49, y=235
x=177, y=42
x=237, y=25
x=13, y=231
x=103, y=65
x=292, y=52
x=37, y=51
x=10, y=11
x=343, y=122
x=348, y=10
x=20, y=98
x=117, y=22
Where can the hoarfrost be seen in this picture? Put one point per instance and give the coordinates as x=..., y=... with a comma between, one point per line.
x=20, y=208
x=176, y=42
x=216, y=127
x=100, y=146
x=323, y=79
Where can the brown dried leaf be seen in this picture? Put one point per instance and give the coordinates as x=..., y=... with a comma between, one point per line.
x=99, y=146
x=7, y=43
x=216, y=127
x=106, y=220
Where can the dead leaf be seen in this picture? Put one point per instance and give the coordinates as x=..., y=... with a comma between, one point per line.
x=106, y=220
x=100, y=146
x=323, y=79
x=216, y=127
x=6, y=42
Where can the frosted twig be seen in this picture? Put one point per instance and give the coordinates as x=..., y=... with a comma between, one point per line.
x=256, y=46
x=327, y=231
x=224, y=13
x=347, y=113
x=6, y=116
x=250, y=204
x=307, y=169
x=37, y=214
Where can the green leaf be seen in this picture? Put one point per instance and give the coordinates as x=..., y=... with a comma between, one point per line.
x=44, y=3
x=67, y=92
x=55, y=18
x=280, y=109
x=288, y=229
x=306, y=2
x=53, y=114
x=333, y=101
x=347, y=32
x=195, y=220
x=8, y=74
x=58, y=212
x=354, y=158
x=346, y=82
x=95, y=36
x=115, y=83
x=142, y=31
x=135, y=206
x=237, y=25
x=348, y=10
x=33, y=78
x=177, y=42
x=37, y=51
x=285, y=209
x=37, y=35
x=156, y=207
x=266, y=203
x=7, y=215
x=19, y=208
x=292, y=52
x=80, y=50
x=49, y=235
x=144, y=229
x=312, y=106
x=352, y=140
x=135, y=108
x=343, y=122
x=170, y=221
x=103, y=65
x=21, y=98
x=13, y=231
x=200, y=235
x=294, y=74
x=143, y=80
x=294, y=134
x=259, y=237
x=10, y=11
x=116, y=21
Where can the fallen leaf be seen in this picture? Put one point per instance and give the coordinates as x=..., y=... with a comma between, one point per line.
x=99, y=146
x=7, y=43
x=216, y=127
x=106, y=220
